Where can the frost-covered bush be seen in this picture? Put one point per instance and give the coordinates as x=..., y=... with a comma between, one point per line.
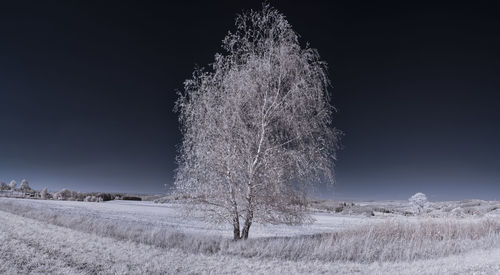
x=89, y=199
x=418, y=202
x=105, y=196
x=69, y=195
x=4, y=186
x=25, y=187
x=44, y=194
x=93, y=199
x=359, y=210
x=12, y=184
x=77, y=196
x=64, y=194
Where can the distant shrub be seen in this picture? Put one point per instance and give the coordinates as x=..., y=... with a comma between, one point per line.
x=44, y=194
x=4, y=186
x=25, y=187
x=69, y=195
x=12, y=185
x=359, y=210
x=92, y=199
x=418, y=201
x=131, y=198
x=105, y=196
x=64, y=194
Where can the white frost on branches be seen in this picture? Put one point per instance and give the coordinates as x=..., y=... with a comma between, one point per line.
x=12, y=185
x=64, y=194
x=418, y=202
x=25, y=187
x=44, y=194
x=257, y=127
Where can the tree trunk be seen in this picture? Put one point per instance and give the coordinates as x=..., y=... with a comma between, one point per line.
x=248, y=223
x=236, y=227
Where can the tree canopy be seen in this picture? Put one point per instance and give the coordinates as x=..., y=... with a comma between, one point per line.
x=257, y=126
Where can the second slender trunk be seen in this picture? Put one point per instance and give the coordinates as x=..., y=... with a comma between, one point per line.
x=236, y=227
x=246, y=226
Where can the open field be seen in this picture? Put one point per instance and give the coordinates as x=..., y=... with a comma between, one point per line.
x=141, y=237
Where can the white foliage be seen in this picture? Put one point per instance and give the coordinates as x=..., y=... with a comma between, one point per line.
x=257, y=127
x=92, y=199
x=12, y=184
x=44, y=194
x=418, y=202
x=25, y=187
x=64, y=194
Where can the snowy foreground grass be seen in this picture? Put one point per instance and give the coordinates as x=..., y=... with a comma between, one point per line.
x=75, y=237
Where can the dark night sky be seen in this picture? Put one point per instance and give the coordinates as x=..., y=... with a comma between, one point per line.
x=87, y=91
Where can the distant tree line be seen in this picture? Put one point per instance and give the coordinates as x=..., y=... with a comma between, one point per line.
x=24, y=188
x=25, y=191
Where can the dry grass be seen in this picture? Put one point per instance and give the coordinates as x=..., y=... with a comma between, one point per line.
x=391, y=241
x=396, y=240
x=34, y=247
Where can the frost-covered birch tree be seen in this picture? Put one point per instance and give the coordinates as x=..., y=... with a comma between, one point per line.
x=257, y=126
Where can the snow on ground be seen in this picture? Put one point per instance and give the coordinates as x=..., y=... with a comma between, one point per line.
x=30, y=246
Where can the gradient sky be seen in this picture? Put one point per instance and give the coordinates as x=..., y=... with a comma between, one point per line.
x=87, y=91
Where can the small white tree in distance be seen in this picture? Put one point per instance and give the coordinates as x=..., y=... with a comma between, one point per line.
x=257, y=128
x=12, y=185
x=64, y=194
x=25, y=187
x=418, y=201
x=44, y=194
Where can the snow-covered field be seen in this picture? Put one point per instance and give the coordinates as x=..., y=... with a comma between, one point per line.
x=120, y=237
